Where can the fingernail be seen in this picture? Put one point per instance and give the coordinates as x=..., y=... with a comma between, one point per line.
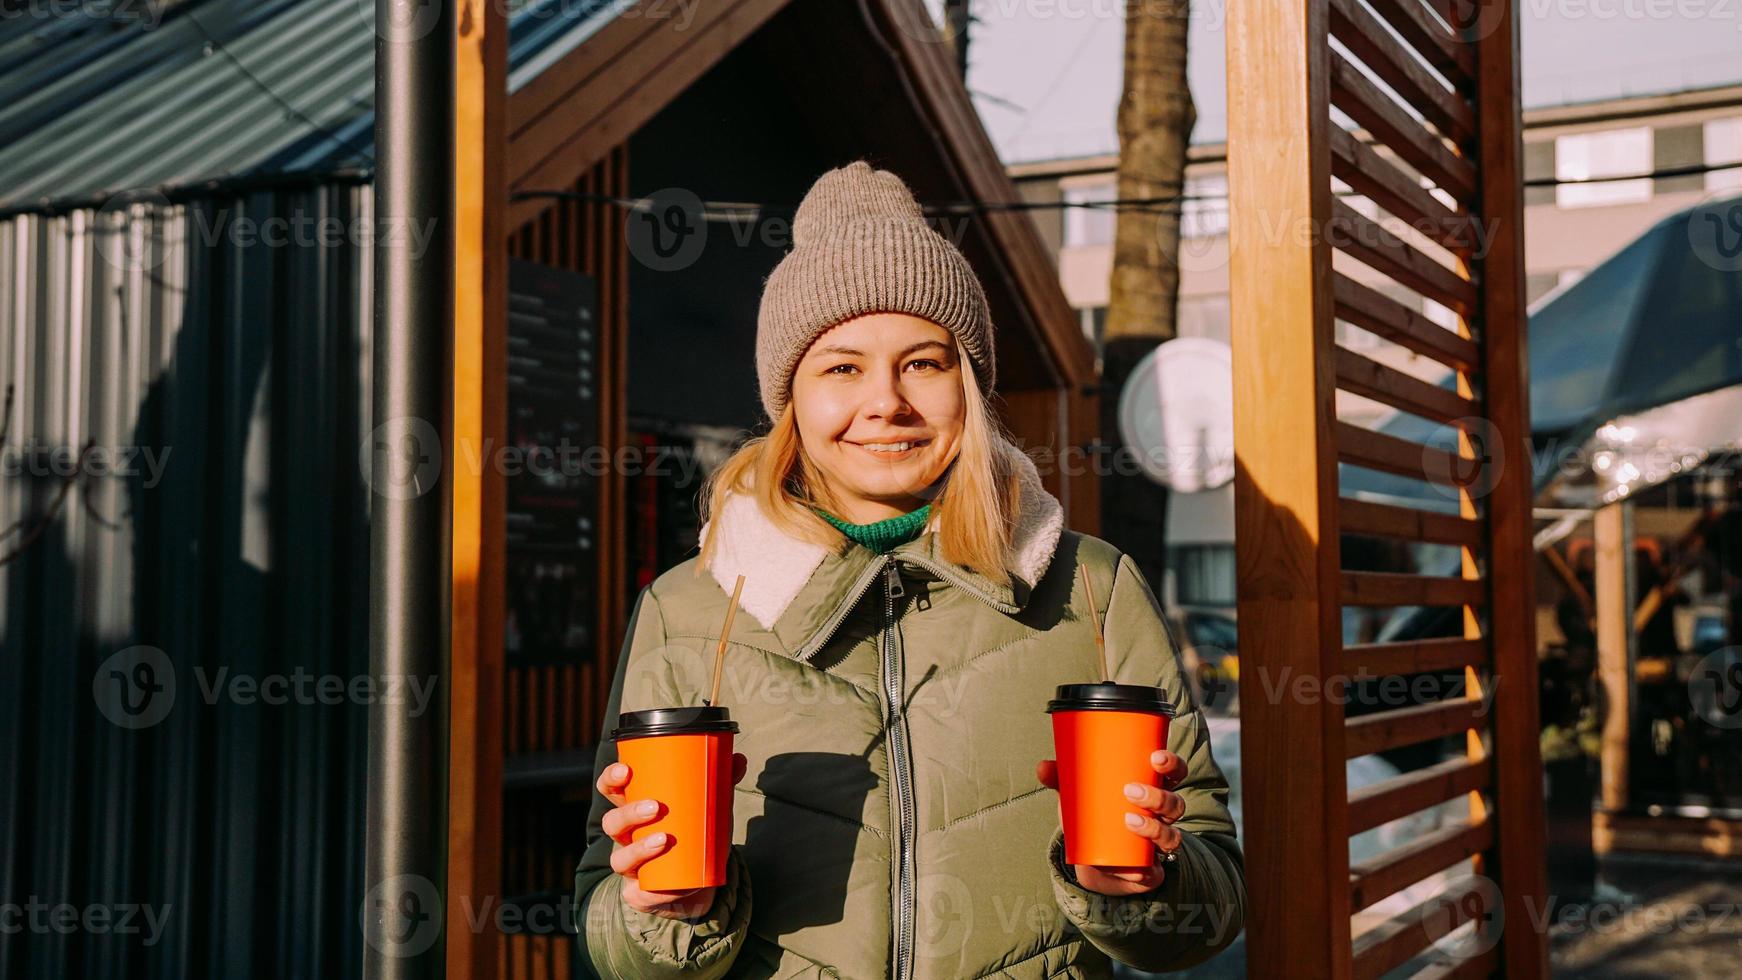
x=1134, y=791
x=1133, y=821
x=656, y=840
x=619, y=770
x=647, y=808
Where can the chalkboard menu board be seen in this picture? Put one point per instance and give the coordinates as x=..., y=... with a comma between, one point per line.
x=553, y=464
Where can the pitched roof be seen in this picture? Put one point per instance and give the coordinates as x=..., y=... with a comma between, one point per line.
x=122, y=96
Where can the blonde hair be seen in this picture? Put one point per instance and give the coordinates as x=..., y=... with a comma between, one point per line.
x=976, y=510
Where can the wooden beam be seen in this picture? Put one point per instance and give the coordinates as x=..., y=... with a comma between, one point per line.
x=1448, y=54
x=1398, y=797
x=1397, y=869
x=1520, y=825
x=1394, y=942
x=1389, y=454
x=480, y=422
x=1381, y=731
x=1362, y=33
x=1416, y=656
x=1391, y=521
x=1370, y=174
x=1397, y=129
x=1708, y=837
x=1287, y=554
x=1378, y=313
x=1614, y=555
x=1374, y=380
x=1407, y=589
x=1377, y=246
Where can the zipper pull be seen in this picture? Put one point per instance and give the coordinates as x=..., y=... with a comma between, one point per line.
x=892, y=576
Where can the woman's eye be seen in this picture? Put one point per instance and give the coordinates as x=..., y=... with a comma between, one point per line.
x=840, y=367
x=927, y=362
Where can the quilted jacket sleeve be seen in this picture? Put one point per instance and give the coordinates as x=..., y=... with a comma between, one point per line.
x=1201, y=906
x=616, y=940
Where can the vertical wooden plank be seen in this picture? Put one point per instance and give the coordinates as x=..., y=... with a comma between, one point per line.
x=1521, y=832
x=475, y=750
x=1614, y=552
x=614, y=416
x=1285, y=488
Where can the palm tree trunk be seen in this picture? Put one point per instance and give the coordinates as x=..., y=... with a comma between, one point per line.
x=1155, y=122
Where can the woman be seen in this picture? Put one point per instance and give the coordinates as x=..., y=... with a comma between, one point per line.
x=912, y=601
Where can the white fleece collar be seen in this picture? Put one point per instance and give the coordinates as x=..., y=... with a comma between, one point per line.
x=776, y=566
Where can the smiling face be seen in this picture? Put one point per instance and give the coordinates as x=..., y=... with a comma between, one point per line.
x=880, y=410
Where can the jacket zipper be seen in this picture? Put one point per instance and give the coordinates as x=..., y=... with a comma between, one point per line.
x=995, y=603
x=858, y=591
x=900, y=765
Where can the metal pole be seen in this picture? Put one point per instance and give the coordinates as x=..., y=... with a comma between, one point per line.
x=405, y=860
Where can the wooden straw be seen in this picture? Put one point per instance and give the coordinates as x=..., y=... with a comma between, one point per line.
x=725, y=631
x=1095, y=617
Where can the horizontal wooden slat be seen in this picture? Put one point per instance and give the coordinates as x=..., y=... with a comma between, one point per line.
x=1373, y=311
x=1379, y=451
x=1405, y=589
x=1362, y=34
x=1374, y=380
x=1412, y=792
x=1394, y=942
x=1449, y=55
x=1477, y=966
x=1386, y=251
x=1407, y=137
x=1384, y=730
x=1416, y=656
x=1400, y=867
x=1363, y=169
x=1391, y=521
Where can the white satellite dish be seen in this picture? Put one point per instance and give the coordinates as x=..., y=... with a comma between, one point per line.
x=1176, y=414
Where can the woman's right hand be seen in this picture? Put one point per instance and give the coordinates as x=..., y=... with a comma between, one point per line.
x=627, y=858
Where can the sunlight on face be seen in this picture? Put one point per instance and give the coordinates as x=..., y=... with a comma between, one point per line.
x=866, y=387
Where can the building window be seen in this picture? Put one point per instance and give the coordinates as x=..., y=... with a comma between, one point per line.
x=1204, y=212
x=1723, y=139
x=1613, y=153
x=1087, y=225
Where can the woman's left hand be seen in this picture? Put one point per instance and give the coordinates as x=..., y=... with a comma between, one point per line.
x=1164, y=806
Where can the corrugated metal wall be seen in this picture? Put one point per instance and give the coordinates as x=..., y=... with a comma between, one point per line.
x=138, y=783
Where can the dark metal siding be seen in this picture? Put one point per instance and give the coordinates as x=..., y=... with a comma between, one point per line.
x=247, y=365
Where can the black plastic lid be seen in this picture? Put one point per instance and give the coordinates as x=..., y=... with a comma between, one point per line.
x=1111, y=697
x=673, y=721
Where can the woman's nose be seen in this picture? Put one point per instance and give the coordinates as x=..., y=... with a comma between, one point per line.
x=887, y=398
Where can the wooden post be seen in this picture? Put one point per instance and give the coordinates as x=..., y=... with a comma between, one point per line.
x=1614, y=553
x=479, y=515
x=1521, y=831
x=1285, y=491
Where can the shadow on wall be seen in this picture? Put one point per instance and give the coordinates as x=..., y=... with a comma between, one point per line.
x=184, y=646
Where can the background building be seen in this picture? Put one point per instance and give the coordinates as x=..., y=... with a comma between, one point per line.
x=1694, y=137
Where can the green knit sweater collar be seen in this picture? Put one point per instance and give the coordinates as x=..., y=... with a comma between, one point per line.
x=881, y=536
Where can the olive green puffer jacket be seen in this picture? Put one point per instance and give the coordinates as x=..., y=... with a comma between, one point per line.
x=893, y=708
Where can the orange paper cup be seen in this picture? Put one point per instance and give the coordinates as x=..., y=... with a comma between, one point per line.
x=681, y=757
x=1103, y=735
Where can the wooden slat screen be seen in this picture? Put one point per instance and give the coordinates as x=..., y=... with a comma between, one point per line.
x=1392, y=133
x=552, y=711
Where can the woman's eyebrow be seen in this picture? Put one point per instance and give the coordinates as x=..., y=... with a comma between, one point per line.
x=850, y=352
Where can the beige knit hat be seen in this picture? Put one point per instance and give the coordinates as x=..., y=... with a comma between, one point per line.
x=861, y=245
